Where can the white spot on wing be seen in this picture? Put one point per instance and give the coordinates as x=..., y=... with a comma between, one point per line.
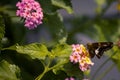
x=97, y=51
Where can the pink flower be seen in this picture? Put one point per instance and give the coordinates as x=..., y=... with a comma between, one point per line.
x=76, y=48
x=31, y=12
x=74, y=57
x=80, y=55
x=84, y=67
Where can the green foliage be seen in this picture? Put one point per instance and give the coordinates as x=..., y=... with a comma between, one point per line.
x=65, y=4
x=56, y=27
x=116, y=57
x=54, y=60
x=73, y=70
x=51, y=62
x=50, y=6
x=61, y=54
x=35, y=51
x=9, y=71
x=53, y=19
x=47, y=6
x=2, y=27
x=62, y=50
x=2, y=30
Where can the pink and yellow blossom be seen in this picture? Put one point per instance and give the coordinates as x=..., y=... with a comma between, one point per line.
x=81, y=55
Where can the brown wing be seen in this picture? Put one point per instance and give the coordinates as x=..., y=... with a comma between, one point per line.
x=91, y=48
x=100, y=47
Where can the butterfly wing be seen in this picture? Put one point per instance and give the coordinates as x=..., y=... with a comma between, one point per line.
x=91, y=53
x=100, y=52
x=102, y=47
x=91, y=48
x=98, y=48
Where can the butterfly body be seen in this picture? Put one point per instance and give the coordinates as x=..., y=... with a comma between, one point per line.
x=98, y=48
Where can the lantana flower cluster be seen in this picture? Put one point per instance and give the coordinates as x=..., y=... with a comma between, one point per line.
x=31, y=12
x=80, y=55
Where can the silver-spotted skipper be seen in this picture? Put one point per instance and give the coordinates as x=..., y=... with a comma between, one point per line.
x=98, y=48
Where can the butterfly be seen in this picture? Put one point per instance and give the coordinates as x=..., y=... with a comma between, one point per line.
x=98, y=48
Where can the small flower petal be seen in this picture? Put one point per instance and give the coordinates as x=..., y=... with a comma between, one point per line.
x=75, y=57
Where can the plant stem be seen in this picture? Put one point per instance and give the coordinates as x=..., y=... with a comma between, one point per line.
x=57, y=65
x=48, y=69
x=41, y=75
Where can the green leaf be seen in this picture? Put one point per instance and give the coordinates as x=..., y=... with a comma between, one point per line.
x=73, y=70
x=47, y=6
x=13, y=47
x=51, y=76
x=9, y=71
x=62, y=53
x=65, y=4
x=34, y=50
x=51, y=6
x=56, y=27
x=2, y=29
x=62, y=50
